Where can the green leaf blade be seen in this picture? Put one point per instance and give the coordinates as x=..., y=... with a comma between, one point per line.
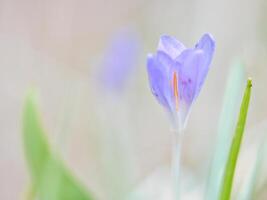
x=35, y=145
x=51, y=179
x=229, y=112
x=249, y=188
x=235, y=146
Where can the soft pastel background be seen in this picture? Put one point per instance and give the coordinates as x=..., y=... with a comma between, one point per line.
x=57, y=46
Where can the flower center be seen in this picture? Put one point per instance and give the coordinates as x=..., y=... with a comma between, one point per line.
x=175, y=90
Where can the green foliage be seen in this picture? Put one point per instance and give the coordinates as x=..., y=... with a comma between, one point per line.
x=235, y=146
x=232, y=98
x=248, y=191
x=50, y=178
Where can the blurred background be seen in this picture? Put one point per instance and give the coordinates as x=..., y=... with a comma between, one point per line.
x=64, y=49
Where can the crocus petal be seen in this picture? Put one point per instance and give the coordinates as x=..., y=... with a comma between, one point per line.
x=176, y=75
x=207, y=44
x=166, y=62
x=158, y=68
x=191, y=61
x=170, y=46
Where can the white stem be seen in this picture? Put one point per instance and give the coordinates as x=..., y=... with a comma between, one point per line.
x=176, y=158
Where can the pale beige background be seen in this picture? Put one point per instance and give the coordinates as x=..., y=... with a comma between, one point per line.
x=54, y=45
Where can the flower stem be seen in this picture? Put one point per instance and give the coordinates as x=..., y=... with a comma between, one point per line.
x=176, y=165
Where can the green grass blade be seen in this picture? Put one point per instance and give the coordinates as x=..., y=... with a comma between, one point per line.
x=249, y=189
x=50, y=178
x=235, y=146
x=232, y=98
x=36, y=148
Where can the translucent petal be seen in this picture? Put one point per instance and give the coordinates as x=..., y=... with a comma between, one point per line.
x=190, y=61
x=207, y=44
x=159, y=80
x=170, y=46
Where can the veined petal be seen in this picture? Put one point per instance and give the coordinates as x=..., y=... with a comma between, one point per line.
x=159, y=79
x=166, y=62
x=191, y=61
x=207, y=44
x=176, y=74
x=170, y=46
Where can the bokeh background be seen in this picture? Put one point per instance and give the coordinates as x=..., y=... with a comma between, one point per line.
x=58, y=47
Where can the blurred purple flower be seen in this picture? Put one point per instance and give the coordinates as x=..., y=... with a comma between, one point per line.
x=119, y=61
x=176, y=74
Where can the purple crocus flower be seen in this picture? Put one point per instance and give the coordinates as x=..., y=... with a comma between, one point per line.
x=176, y=74
x=120, y=60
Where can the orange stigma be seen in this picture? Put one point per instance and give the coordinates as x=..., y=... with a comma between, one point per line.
x=175, y=88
